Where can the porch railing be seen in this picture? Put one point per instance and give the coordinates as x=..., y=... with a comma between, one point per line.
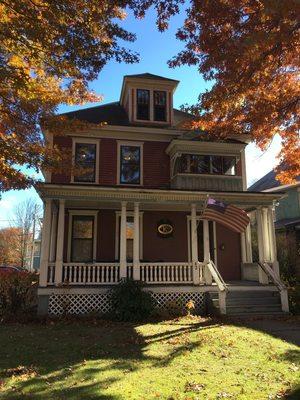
x=217, y=277
x=159, y=273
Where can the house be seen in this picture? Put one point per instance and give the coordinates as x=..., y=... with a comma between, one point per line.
x=135, y=211
x=287, y=214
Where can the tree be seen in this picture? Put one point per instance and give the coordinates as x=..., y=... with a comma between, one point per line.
x=49, y=50
x=9, y=246
x=250, y=50
x=25, y=213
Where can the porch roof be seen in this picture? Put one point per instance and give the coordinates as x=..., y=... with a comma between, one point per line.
x=77, y=192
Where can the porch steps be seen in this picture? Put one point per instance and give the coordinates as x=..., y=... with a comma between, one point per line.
x=248, y=303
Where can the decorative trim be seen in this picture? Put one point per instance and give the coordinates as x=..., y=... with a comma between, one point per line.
x=76, y=140
x=201, y=147
x=93, y=213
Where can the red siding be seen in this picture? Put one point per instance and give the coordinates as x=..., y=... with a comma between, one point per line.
x=62, y=142
x=229, y=259
x=156, y=165
x=108, y=162
x=106, y=235
x=156, y=248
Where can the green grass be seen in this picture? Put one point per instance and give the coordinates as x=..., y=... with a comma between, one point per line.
x=179, y=359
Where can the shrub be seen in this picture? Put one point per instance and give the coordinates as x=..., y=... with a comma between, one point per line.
x=130, y=302
x=18, y=292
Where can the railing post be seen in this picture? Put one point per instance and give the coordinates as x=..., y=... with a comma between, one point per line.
x=207, y=274
x=272, y=236
x=263, y=278
x=136, y=242
x=60, y=242
x=123, y=241
x=222, y=302
x=194, y=237
x=45, y=243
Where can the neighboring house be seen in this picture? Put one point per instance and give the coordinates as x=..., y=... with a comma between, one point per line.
x=136, y=211
x=287, y=213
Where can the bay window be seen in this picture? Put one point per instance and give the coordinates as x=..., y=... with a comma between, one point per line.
x=205, y=164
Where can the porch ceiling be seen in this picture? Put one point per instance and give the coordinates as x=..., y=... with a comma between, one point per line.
x=110, y=197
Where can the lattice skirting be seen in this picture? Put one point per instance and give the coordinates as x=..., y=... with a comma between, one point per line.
x=81, y=304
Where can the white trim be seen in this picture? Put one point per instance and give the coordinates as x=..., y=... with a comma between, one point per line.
x=117, y=232
x=76, y=140
x=93, y=213
x=134, y=144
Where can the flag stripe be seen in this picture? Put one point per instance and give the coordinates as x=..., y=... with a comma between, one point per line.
x=238, y=227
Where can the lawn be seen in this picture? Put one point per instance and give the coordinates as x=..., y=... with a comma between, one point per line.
x=178, y=359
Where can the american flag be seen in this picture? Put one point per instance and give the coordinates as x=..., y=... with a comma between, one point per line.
x=226, y=214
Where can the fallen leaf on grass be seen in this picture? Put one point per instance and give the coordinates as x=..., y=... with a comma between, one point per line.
x=194, y=387
x=22, y=371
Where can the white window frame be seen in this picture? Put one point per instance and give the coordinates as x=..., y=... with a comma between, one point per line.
x=93, y=213
x=87, y=141
x=117, y=232
x=198, y=218
x=151, y=114
x=134, y=144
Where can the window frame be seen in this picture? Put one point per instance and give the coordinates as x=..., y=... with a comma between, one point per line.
x=83, y=213
x=97, y=155
x=210, y=173
x=166, y=104
x=151, y=106
x=133, y=144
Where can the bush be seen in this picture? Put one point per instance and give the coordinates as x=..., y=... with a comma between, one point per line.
x=130, y=302
x=18, y=292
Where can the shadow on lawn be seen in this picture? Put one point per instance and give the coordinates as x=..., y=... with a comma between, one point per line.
x=80, y=359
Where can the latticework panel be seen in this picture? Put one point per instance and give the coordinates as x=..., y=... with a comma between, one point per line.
x=78, y=304
x=165, y=300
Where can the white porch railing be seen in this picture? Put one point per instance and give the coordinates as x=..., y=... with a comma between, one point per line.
x=161, y=273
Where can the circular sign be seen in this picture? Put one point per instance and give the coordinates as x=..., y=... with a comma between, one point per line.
x=165, y=229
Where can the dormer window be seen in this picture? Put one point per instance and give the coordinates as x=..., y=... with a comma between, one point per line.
x=143, y=104
x=160, y=105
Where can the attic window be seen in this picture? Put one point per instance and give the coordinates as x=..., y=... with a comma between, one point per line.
x=143, y=104
x=160, y=103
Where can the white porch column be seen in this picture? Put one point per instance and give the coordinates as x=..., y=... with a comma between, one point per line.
x=53, y=235
x=123, y=241
x=136, y=242
x=60, y=242
x=194, y=238
x=207, y=274
x=45, y=243
x=266, y=236
x=272, y=238
x=249, y=243
x=261, y=245
x=243, y=247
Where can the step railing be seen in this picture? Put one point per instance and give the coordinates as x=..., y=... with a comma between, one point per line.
x=162, y=273
x=268, y=270
x=217, y=277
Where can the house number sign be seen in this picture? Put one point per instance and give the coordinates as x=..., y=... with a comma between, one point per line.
x=165, y=228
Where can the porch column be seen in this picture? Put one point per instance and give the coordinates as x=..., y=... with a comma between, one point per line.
x=60, y=242
x=243, y=247
x=53, y=234
x=194, y=238
x=136, y=242
x=249, y=243
x=45, y=242
x=207, y=274
x=272, y=238
x=123, y=241
x=261, y=245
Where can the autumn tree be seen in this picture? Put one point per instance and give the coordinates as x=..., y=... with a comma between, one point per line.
x=9, y=246
x=250, y=51
x=49, y=50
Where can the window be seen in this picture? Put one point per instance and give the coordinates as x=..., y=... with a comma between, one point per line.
x=143, y=104
x=85, y=162
x=82, y=238
x=205, y=164
x=160, y=106
x=130, y=164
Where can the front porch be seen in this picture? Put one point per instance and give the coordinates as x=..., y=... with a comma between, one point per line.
x=127, y=242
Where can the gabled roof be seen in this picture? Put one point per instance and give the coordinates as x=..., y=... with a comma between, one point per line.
x=268, y=181
x=147, y=75
x=114, y=114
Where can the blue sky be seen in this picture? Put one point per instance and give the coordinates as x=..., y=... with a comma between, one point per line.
x=155, y=50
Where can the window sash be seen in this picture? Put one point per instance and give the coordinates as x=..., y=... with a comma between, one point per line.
x=134, y=165
x=77, y=240
x=160, y=105
x=89, y=163
x=143, y=104
x=206, y=164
